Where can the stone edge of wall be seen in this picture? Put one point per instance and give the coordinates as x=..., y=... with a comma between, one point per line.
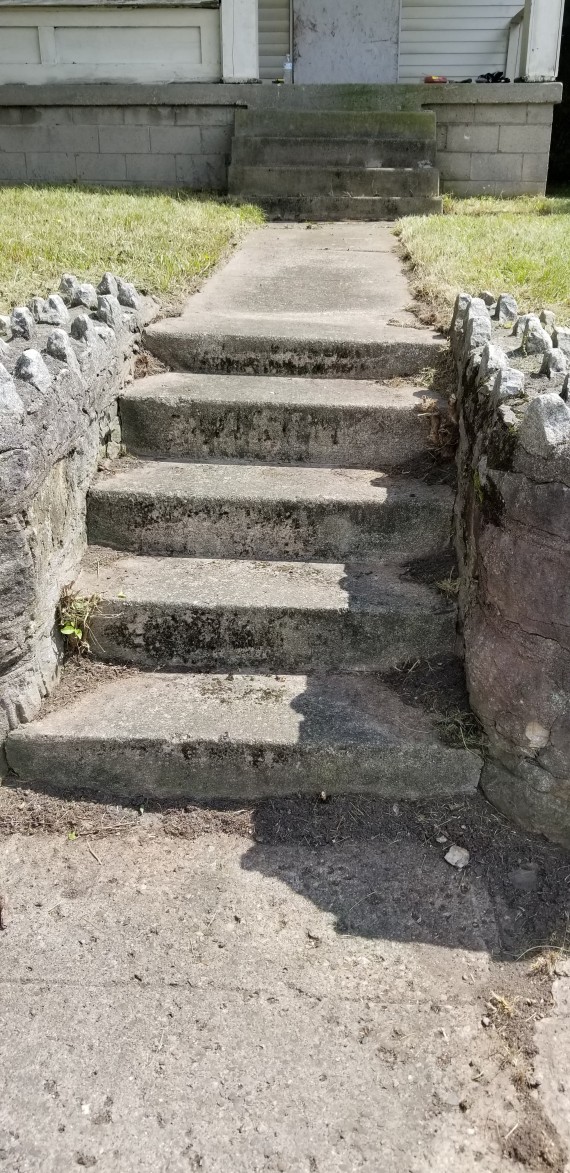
x=514, y=551
x=63, y=362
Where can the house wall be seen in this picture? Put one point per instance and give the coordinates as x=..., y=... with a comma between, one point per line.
x=455, y=38
x=356, y=41
x=491, y=139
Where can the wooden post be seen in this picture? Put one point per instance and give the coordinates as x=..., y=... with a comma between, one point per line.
x=542, y=32
x=240, y=41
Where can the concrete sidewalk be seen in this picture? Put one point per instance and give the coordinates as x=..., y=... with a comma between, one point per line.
x=234, y=1003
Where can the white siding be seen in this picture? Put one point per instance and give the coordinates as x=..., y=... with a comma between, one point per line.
x=274, y=37
x=457, y=38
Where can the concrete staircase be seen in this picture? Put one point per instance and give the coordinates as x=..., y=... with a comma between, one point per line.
x=262, y=559
x=335, y=165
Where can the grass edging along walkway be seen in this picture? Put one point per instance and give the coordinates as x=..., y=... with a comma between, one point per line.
x=162, y=241
x=519, y=246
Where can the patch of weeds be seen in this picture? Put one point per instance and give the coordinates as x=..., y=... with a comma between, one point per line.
x=460, y=729
x=74, y=614
x=449, y=586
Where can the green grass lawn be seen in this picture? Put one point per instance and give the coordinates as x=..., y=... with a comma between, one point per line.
x=162, y=242
x=519, y=246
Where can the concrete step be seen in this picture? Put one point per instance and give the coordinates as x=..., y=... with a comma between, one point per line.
x=332, y=208
x=343, y=422
x=262, y=616
x=272, y=151
x=293, y=180
x=279, y=512
x=353, y=346
x=327, y=124
x=175, y=737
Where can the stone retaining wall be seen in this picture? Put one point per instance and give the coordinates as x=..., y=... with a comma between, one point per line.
x=61, y=370
x=491, y=138
x=513, y=541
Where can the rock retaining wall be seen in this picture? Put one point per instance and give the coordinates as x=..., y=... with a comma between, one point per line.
x=513, y=540
x=63, y=362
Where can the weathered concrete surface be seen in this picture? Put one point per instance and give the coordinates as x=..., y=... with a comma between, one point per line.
x=267, y=511
x=224, y=1004
x=284, y=616
x=303, y=301
x=215, y=736
x=290, y=179
x=344, y=422
x=341, y=151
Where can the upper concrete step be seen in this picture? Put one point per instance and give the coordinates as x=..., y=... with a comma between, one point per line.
x=261, y=616
x=293, y=344
x=179, y=737
x=267, y=511
x=294, y=180
x=326, y=124
x=329, y=300
x=335, y=208
x=272, y=151
x=346, y=422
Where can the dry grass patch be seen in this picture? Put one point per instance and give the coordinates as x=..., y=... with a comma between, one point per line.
x=164, y=242
x=520, y=246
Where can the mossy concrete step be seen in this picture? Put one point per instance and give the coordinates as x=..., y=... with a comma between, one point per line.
x=176, y=737
x=279, y=616
x=223, y=510
x=331, y=208
x=344, y=422
x=273, y=151
x=317, y=345
x=326, y=124
x=295, y=180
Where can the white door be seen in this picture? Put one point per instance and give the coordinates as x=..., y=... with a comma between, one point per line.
x=274, y=37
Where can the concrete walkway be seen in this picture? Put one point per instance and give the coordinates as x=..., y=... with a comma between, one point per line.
x=301, y=986
x=305, y=289
x=236, y=1003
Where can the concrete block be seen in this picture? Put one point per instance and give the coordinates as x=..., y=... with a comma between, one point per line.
x=101, y=168
x=65, y=139
x=529, y=140
x=449, y=114
x=473, y=138
x=539, y=114
x=441, y=137
x=11, y=115
x=204, y=115
x=506, y=115
x=216, y=140
x=149, y=115
x=454, y=165
x=152, y=169
x=99, y=115
x=471, y=187
x=202, y=172
x=47, y=115
x=13, y=167
x=118, y=140
x=50, y=167
x=494, y=167
x=175, y=140
x=535, y=167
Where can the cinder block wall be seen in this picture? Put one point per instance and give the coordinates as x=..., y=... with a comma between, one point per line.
x=492, y=139
x=498, y=149
x=165, y=146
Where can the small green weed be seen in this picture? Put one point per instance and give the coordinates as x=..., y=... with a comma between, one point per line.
x=73, y=617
